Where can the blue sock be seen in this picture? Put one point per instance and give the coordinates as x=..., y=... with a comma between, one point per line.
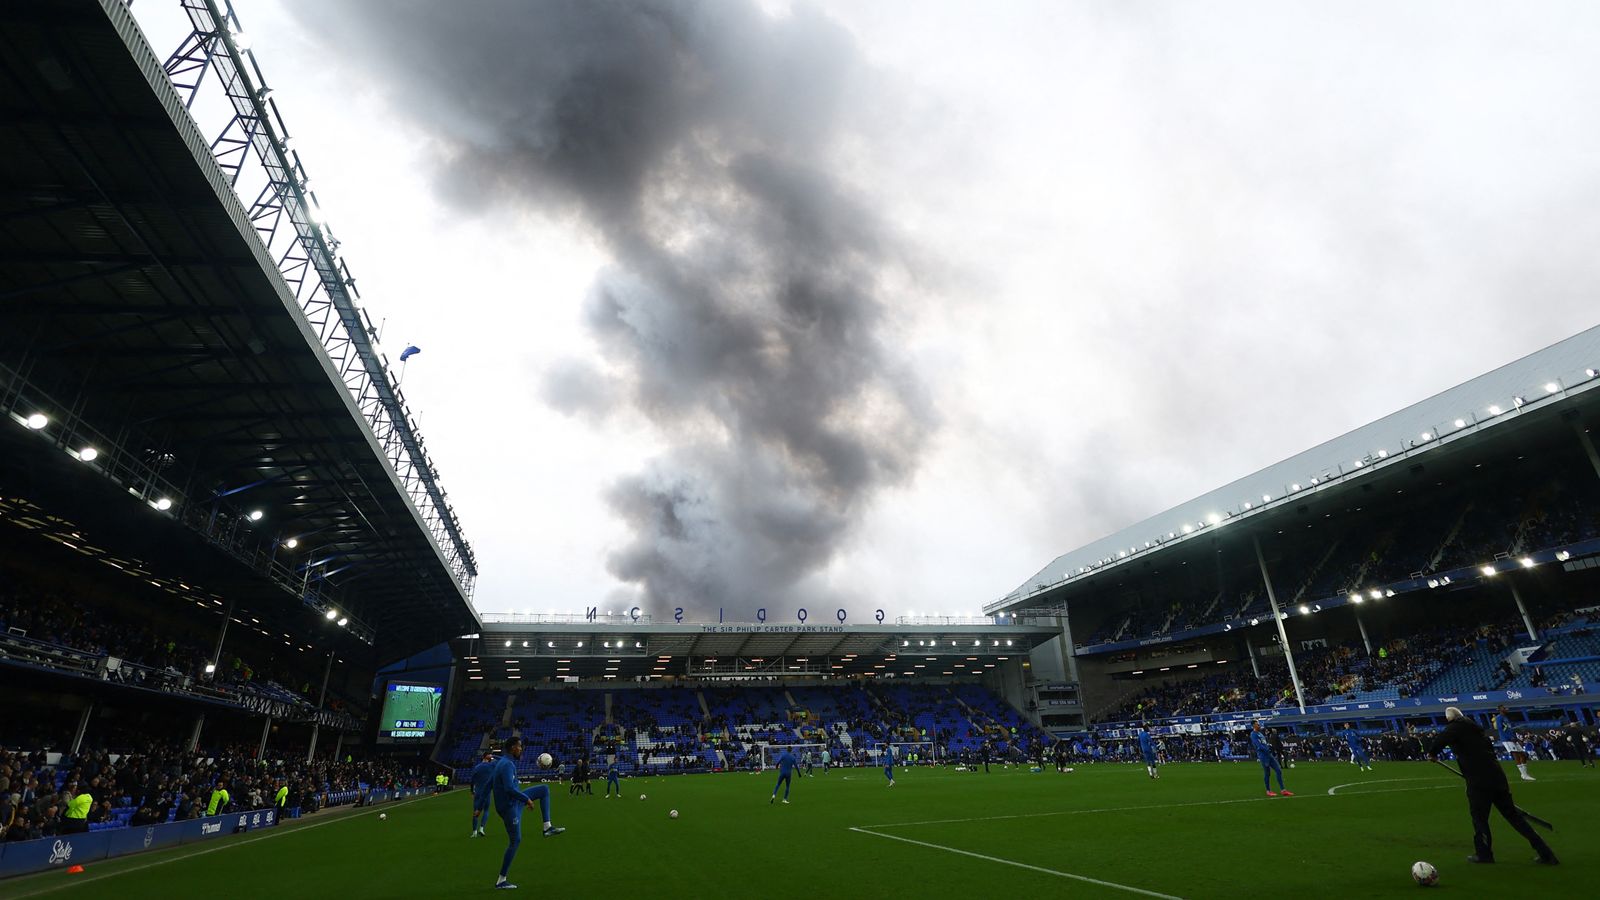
x=514, y=832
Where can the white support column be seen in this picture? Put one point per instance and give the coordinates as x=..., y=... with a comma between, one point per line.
x=1527, y=620
x=316, y=727
x=1251, y=652
x=266, y=729
x=1283, y=634
x=83, y=727
x=1363, y=626
x=194, y=736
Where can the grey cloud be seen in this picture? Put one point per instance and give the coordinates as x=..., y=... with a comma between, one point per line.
x=746, y=312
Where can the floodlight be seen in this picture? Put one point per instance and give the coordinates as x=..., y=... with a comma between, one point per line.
x=343, y=621
x=1255, y=621
x=580, y=645
x=36, y=421
x=1494, y=410
x=549, y=643
x=1550, y=387
x=1527, y=562
x=241, y=40
x=210, y=668
x=1295, y=486
x=1591, y=372
x=88, y=454
x=1488, y=570
x=163, y=504
x=1355, y=598
x=1563, y=555
x=1188, y=529
x=1008, y=643
x=256, y=514
x=1227, y=628
x=508, y=643
x=1376, y=594
x=1433, y=582
x=1213, y=518
x=1305, y=610
x=524, y=644
x=1461, y=423
x=292, y=543
x=1266, y=498
x=1427, y=436
x=331, y=614
x=1389, y=593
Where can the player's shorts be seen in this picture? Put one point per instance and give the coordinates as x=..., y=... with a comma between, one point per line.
x=1511, y=747
x=1149, y=759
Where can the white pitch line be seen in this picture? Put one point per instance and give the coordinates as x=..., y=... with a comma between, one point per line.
x=1021, y=865
x=161, y=862
x=1335, y=789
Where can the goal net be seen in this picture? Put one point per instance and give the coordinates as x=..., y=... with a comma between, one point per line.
x=802, y=753
x=908, y=753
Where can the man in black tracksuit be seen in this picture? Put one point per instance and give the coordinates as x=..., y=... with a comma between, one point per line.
x=1486, y=786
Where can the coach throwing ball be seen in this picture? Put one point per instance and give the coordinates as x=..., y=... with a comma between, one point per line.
x=1486, y=786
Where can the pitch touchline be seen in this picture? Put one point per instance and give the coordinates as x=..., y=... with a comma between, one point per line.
x=161, y=862
x=1021, y=865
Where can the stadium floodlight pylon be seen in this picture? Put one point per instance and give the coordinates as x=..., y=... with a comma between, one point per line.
x=306, y=257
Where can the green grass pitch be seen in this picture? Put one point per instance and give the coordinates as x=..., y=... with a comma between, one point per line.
x=1203, y=830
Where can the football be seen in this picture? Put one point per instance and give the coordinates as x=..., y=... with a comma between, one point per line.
x=382, y=816
x=1424, y=874
x=546, y=760
x=673, y=814
x=641, y=796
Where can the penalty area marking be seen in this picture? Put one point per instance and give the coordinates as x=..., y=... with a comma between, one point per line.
x=1335, y=789
x=175, y=858
x=1022, y=865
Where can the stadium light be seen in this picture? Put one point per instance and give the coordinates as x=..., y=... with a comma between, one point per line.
x=607, y=644
x=1305, y=610
x=1227, y=627
x=37, y=421
x=331, y=614
x=1488, y=570
x=1383, y=454
x=241, y=40
x=580, y=645
x=292, y=543
x=1591, y=372
x=343, y=621
x=256, y=514
x=1008, y=643
x=1188, y=529
x=1527, y=562
x=1255, y=621
x=88, y=454
x=1266, y=498
x=1563, y=555
x=1316, y=607
x=1494, y=410
x=1389, y=593
x=549, y=643
x=524, y=645
x=1375, y=594
x=508, y=643
x=1550, y=387
x=1427, y=436
x=211, y=668
x=1355, y=597
x=1517, y=402
x=1213, y=518
x=163, y=504
x=1433, y=582
x=1295, y=486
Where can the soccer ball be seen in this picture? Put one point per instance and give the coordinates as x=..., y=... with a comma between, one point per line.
x=673, y=814
x=641, y=796
x=1424, y=874
x=382, y=816
x=546, y=760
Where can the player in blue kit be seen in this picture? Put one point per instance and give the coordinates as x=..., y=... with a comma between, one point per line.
x=481, y=775
x=1358, y=748
x=1507, y=736
x=1268, y=760
x=613, y=779
x=888, y=763
x=510, y=800
x=1147, y=748
x=786, y=767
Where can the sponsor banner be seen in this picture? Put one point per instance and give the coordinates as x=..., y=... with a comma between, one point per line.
x=1404, y=706
x=21, y=857
x=232, y=823
x=139, y=838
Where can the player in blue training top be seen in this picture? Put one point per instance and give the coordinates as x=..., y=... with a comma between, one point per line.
x=1147, y=747
x=786, y=766
x=613, y=779
x=482, y=773
x=1269, y=761
x=888, y=763
x=1358, y=747
x=1507, y=737
x=510, y=800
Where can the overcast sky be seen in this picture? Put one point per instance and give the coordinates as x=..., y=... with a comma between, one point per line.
x=886, y=304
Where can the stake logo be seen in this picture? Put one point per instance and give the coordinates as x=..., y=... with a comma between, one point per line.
x=60, y=852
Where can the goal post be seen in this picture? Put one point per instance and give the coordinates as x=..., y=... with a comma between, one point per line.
x=909, y=752
x=802, y=753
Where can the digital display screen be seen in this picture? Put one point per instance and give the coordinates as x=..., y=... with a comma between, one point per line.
x=411, y=710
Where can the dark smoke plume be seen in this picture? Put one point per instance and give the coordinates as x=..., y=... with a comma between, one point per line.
x=746, y=313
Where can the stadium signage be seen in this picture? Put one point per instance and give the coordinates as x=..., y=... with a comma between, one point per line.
x=772, y=629
x=22, y=857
